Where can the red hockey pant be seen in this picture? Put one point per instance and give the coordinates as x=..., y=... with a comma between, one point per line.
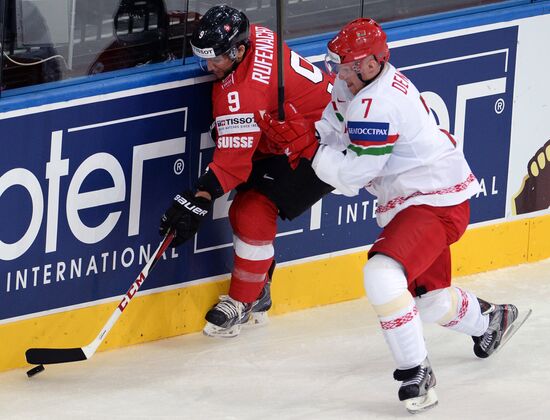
x=419, y=238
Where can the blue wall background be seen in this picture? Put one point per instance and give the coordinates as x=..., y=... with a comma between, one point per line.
x=41, y=279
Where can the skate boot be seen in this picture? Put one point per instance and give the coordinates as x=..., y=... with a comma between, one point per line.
x=417, y=389
x=258, y=314
x=501, y=318
x=228, y=315
x=225, y=317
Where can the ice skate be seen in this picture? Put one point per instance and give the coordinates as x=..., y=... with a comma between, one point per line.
x=417, y=389
x=258, y=313
x=226, y=318
x=502, y=325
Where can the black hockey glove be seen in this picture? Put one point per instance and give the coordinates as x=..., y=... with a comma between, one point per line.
x=184, y=216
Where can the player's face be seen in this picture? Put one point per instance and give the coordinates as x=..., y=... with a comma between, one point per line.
x=348, y=73
x=219, y=66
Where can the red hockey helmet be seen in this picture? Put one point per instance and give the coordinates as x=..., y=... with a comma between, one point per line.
x=358, y=39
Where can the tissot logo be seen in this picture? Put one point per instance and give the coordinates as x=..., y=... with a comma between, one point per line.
x=203, y=52
x=236, y=124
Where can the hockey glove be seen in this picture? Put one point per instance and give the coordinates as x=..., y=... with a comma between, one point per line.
x=184, y=216
x=295, y=136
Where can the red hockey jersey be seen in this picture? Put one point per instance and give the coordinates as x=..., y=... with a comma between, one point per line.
x=252, y=87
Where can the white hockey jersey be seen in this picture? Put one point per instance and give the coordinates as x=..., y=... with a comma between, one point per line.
x=393, y=147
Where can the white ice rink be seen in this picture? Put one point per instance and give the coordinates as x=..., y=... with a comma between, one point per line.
x=324, y=363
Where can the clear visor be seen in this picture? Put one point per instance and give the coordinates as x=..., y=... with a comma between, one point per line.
x=218, y=60
x=335, y=68
x=332, y=63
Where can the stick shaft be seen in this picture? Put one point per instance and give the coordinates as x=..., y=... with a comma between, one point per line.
x=280, y=62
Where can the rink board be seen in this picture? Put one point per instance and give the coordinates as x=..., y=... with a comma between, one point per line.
x=83, y=182
x=339, y=278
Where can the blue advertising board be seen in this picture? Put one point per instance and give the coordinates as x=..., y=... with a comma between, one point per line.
x=83, y=185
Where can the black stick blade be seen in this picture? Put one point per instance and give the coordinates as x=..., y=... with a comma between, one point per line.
x=50, y=356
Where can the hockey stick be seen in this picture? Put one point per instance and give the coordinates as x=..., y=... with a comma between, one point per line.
x=280, y=64
x=43, y=356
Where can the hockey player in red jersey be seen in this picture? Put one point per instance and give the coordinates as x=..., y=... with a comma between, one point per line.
x=269, y=182
x=379, y=134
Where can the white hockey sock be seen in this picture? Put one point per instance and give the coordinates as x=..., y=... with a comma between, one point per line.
x=453, y=308
x=386, y=287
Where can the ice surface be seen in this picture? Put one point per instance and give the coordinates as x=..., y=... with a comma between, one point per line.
x=324, y=363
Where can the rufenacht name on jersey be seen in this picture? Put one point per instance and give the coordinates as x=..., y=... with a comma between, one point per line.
x=263, y=55
x=368, y=131
x=235, y=142
x=236, y=124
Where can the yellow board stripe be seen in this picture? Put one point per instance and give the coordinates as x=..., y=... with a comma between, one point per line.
x=295, y=287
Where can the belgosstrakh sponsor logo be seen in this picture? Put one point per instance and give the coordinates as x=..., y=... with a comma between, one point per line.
x=368, y=131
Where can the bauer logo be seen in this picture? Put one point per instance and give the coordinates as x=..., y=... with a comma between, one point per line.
x=368, y=131
x=236, y=124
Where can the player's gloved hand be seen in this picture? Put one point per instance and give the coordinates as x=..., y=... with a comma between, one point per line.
x=295, y=136
x=184, y=216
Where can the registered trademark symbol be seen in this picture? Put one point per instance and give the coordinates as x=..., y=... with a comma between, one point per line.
x=178, y=166
x=499, y=106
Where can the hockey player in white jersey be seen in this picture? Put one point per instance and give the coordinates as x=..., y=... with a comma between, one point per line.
x=379, y=134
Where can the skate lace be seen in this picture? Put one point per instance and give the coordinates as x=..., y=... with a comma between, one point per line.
x=487, y=340
x=418, y=378
x=229, y=307
x=495, y=324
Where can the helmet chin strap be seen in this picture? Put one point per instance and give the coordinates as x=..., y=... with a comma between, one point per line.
x=233, y=57
x=231, y=69
x=369, y=81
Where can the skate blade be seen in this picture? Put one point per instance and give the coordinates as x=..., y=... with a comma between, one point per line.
x=211, y=330
x=423, y=403
x=514, y=327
